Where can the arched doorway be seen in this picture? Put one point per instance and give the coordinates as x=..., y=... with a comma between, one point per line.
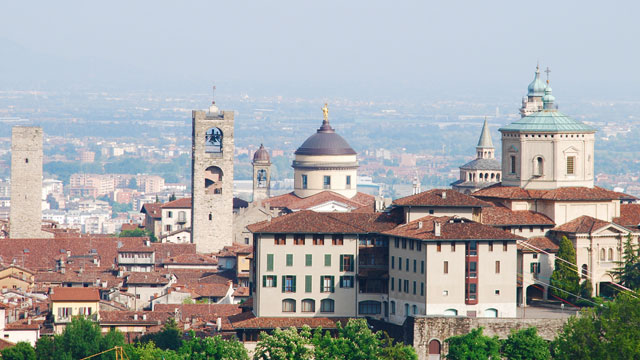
x=534, y=292
x=434, y=349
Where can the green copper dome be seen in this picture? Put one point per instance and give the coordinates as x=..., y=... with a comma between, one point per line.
x=550, y=121
x=536, y=88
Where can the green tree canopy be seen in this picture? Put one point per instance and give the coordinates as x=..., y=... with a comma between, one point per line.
x=473, y=346
x=216, y=347
x=525, y=344
x=170, y=337
x=565, y=280
x=21, y=351
x=628, y=271
x=288, y=344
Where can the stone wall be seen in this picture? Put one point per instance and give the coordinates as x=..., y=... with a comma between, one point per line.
x=428, y=328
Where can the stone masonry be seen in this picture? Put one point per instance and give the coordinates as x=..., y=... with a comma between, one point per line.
x=25, y=218
x=212, y=179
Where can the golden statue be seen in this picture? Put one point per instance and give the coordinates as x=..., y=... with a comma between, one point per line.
x=325, y=112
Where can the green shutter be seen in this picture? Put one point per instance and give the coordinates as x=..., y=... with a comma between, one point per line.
x=275, y=281
x=269, y=262
x=321, y=282
x=289, y=259
x=264, y=280
x=307, y=283
x=531, y=268
x=308, y=260
x=341, y=262
x=341, y=280
x=283, y=282
x=332, y=284
x=327, y=260
x=293, y=283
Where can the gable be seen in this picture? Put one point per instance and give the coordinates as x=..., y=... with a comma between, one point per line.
x=331, y=206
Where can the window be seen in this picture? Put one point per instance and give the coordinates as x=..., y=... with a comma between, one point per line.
x=304, y=182
x=490, y=245
x=348, y=181
x=288, y=283
x=406, y=286
x=415, y=287
x=308, y=260
x=421, y=289
x=393, y=284
x=539, y=166
x=513, y=164
x=327, y=306
x=64, y=312
x=167, y=227
x=473, y=269
x=269, y=262
x=393, y=307
x=453, y=247
x=269, y=281
x=399, y=262
x=610, y=258
x=318, y=239
x=280, y=239
x=504, y=246
x=472, y=291
x=346, y=282
x=327, y=259
x=307, y=283
x=602, y=255
x=411, y=245
x=406, y=263
x=570, y=165
x=346, y=263
x=419, y=245
x=337, y=239
x=497, y=267
x=415, y=309
x=326, y=284
x=396, y=242
x=298, y=239
x=422, y=267
x=472, y=248
x=289, y=259
x=308, y=305
x=415, y=265
x=497, y=292
x=438, y=246
x=369, y=307
x=406, y=309
x=393, y=262
x=404, y=243
x=446, y=267
x=399, y=285
x=535, y=268
x=288, y=305
x=327, y=182
x=585, y=271
x=169, y=214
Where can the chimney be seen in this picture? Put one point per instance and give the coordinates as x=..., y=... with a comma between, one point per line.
x=444, y=194
x=419, y=225
x=29, y=321
x=436, y=228
x=218, y=324
x=147, y=243
x=144, y=316
x=135, y=316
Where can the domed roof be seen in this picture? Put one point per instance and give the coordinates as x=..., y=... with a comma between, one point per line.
x=536, y=88
x=325, y=142
x=261, y=155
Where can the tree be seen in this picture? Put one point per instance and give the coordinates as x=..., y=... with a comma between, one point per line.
x=396, y=351
x=288, y=344
x=138, y=233
x=45, y=348
x=565, y=280
x=525, y=344
x=473, y=346
x=172, y=197
x=21, y=351
x=149, y=351
x=170, y=337
x=354, y=341
x=628, y=271
x=80, y=338
x=608, y=331
x=216, y=347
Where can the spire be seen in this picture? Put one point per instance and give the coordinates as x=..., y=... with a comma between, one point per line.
x=536, y=87
x=485, y=136
x=548, y=99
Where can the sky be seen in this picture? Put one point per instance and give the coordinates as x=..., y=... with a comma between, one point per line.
x=394, y=49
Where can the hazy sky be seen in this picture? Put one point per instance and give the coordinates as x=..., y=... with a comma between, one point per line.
x=394, y=48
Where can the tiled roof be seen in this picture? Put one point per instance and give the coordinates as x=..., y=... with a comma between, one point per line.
x=24, y=325
x=441, y=198
x=483, y=164
x=560, y=194
x=152, y=209
x=183, y=203
x=166, y=250
x=241, y=291
x=451, y=228
x=209, y=312
x=293, y=202
x=208, y=289
x=249, y=321
x=74, y=294
x=146, y=278
x=582, y=225
x=499, y=215
x=130, y=227
x=629, y=215
x=87, y=276
x=234, y=250
x=314, y=222
x=190, y=259
x=127, y=317
x=548, y=120
x=538, y=242
x=5, y=344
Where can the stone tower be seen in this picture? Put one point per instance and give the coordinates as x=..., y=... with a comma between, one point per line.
x=25, y=218
x=212, y=179
x=485, y=170
x=261, y=174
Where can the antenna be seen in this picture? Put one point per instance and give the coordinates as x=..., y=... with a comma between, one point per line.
x=213, y=97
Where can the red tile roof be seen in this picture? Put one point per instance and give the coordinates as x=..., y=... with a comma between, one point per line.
x=183, y=203
x=561, y=194
x=294, y=203
x=208, y=289
x=441, y=198
x=190, y=259
x=154, y=210
x=499, y=215
x=629, y=215
x=315, y=222
x=146, y=278
x=127, y=317
x=451, y=228
x=248, y=320
x=539, y=242
x=582, y=225
x=208, y=312
x=74, y=294
x=130, y=227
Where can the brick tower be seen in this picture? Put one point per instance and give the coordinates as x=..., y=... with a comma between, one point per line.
x=212, y=179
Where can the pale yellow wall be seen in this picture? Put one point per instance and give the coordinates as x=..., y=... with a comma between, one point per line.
x=315, y=178
x=173, y=221
x=402, y=298
x=75, y=307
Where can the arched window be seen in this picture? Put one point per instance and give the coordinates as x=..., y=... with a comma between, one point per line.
x=451, y=312
x=213, y=141
x=493, y=176
x=308, y=305
x=498, y=177
x=602, y=255
x=414, y=308
x=538, y=166
x=327, y=306
x=288, y=305
x=406, y=309
x=480, y=176
x=585, y=271
x=393, y=307
x=213, y=180
x=261, y=178
x=469, y=176
x=369, y=307
x=610, y=254
x=486, y=176
x=491, y=312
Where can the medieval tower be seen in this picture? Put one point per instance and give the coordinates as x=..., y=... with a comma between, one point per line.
x=212, y=179
x=261, y=174
x=25, y=218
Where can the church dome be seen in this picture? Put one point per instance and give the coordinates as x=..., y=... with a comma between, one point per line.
x=261, y=155
x=537, y=86
x=325, y=142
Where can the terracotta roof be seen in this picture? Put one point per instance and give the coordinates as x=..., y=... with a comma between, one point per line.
x=582, y=225
x=499, y=215
x=208, y=312
x=183, y=203
x=24, y=325
x=538, y=242
x=127, y=317
x=241, y=291
x=249, y=321
x=219, y=278
x=74, y=294
x=5, y=344
x=440, y=198
x=560, y=194
x=130, y=227
x=451, y=228
x=190, y=259
x=234, y=250
x=315, y=222
x=152, y=209
x=629, y=215
x=292, y=202
x=208, y=289
x=146, y=278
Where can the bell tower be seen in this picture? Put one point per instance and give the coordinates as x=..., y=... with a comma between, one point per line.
x=212, y=179
x=261, y=174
